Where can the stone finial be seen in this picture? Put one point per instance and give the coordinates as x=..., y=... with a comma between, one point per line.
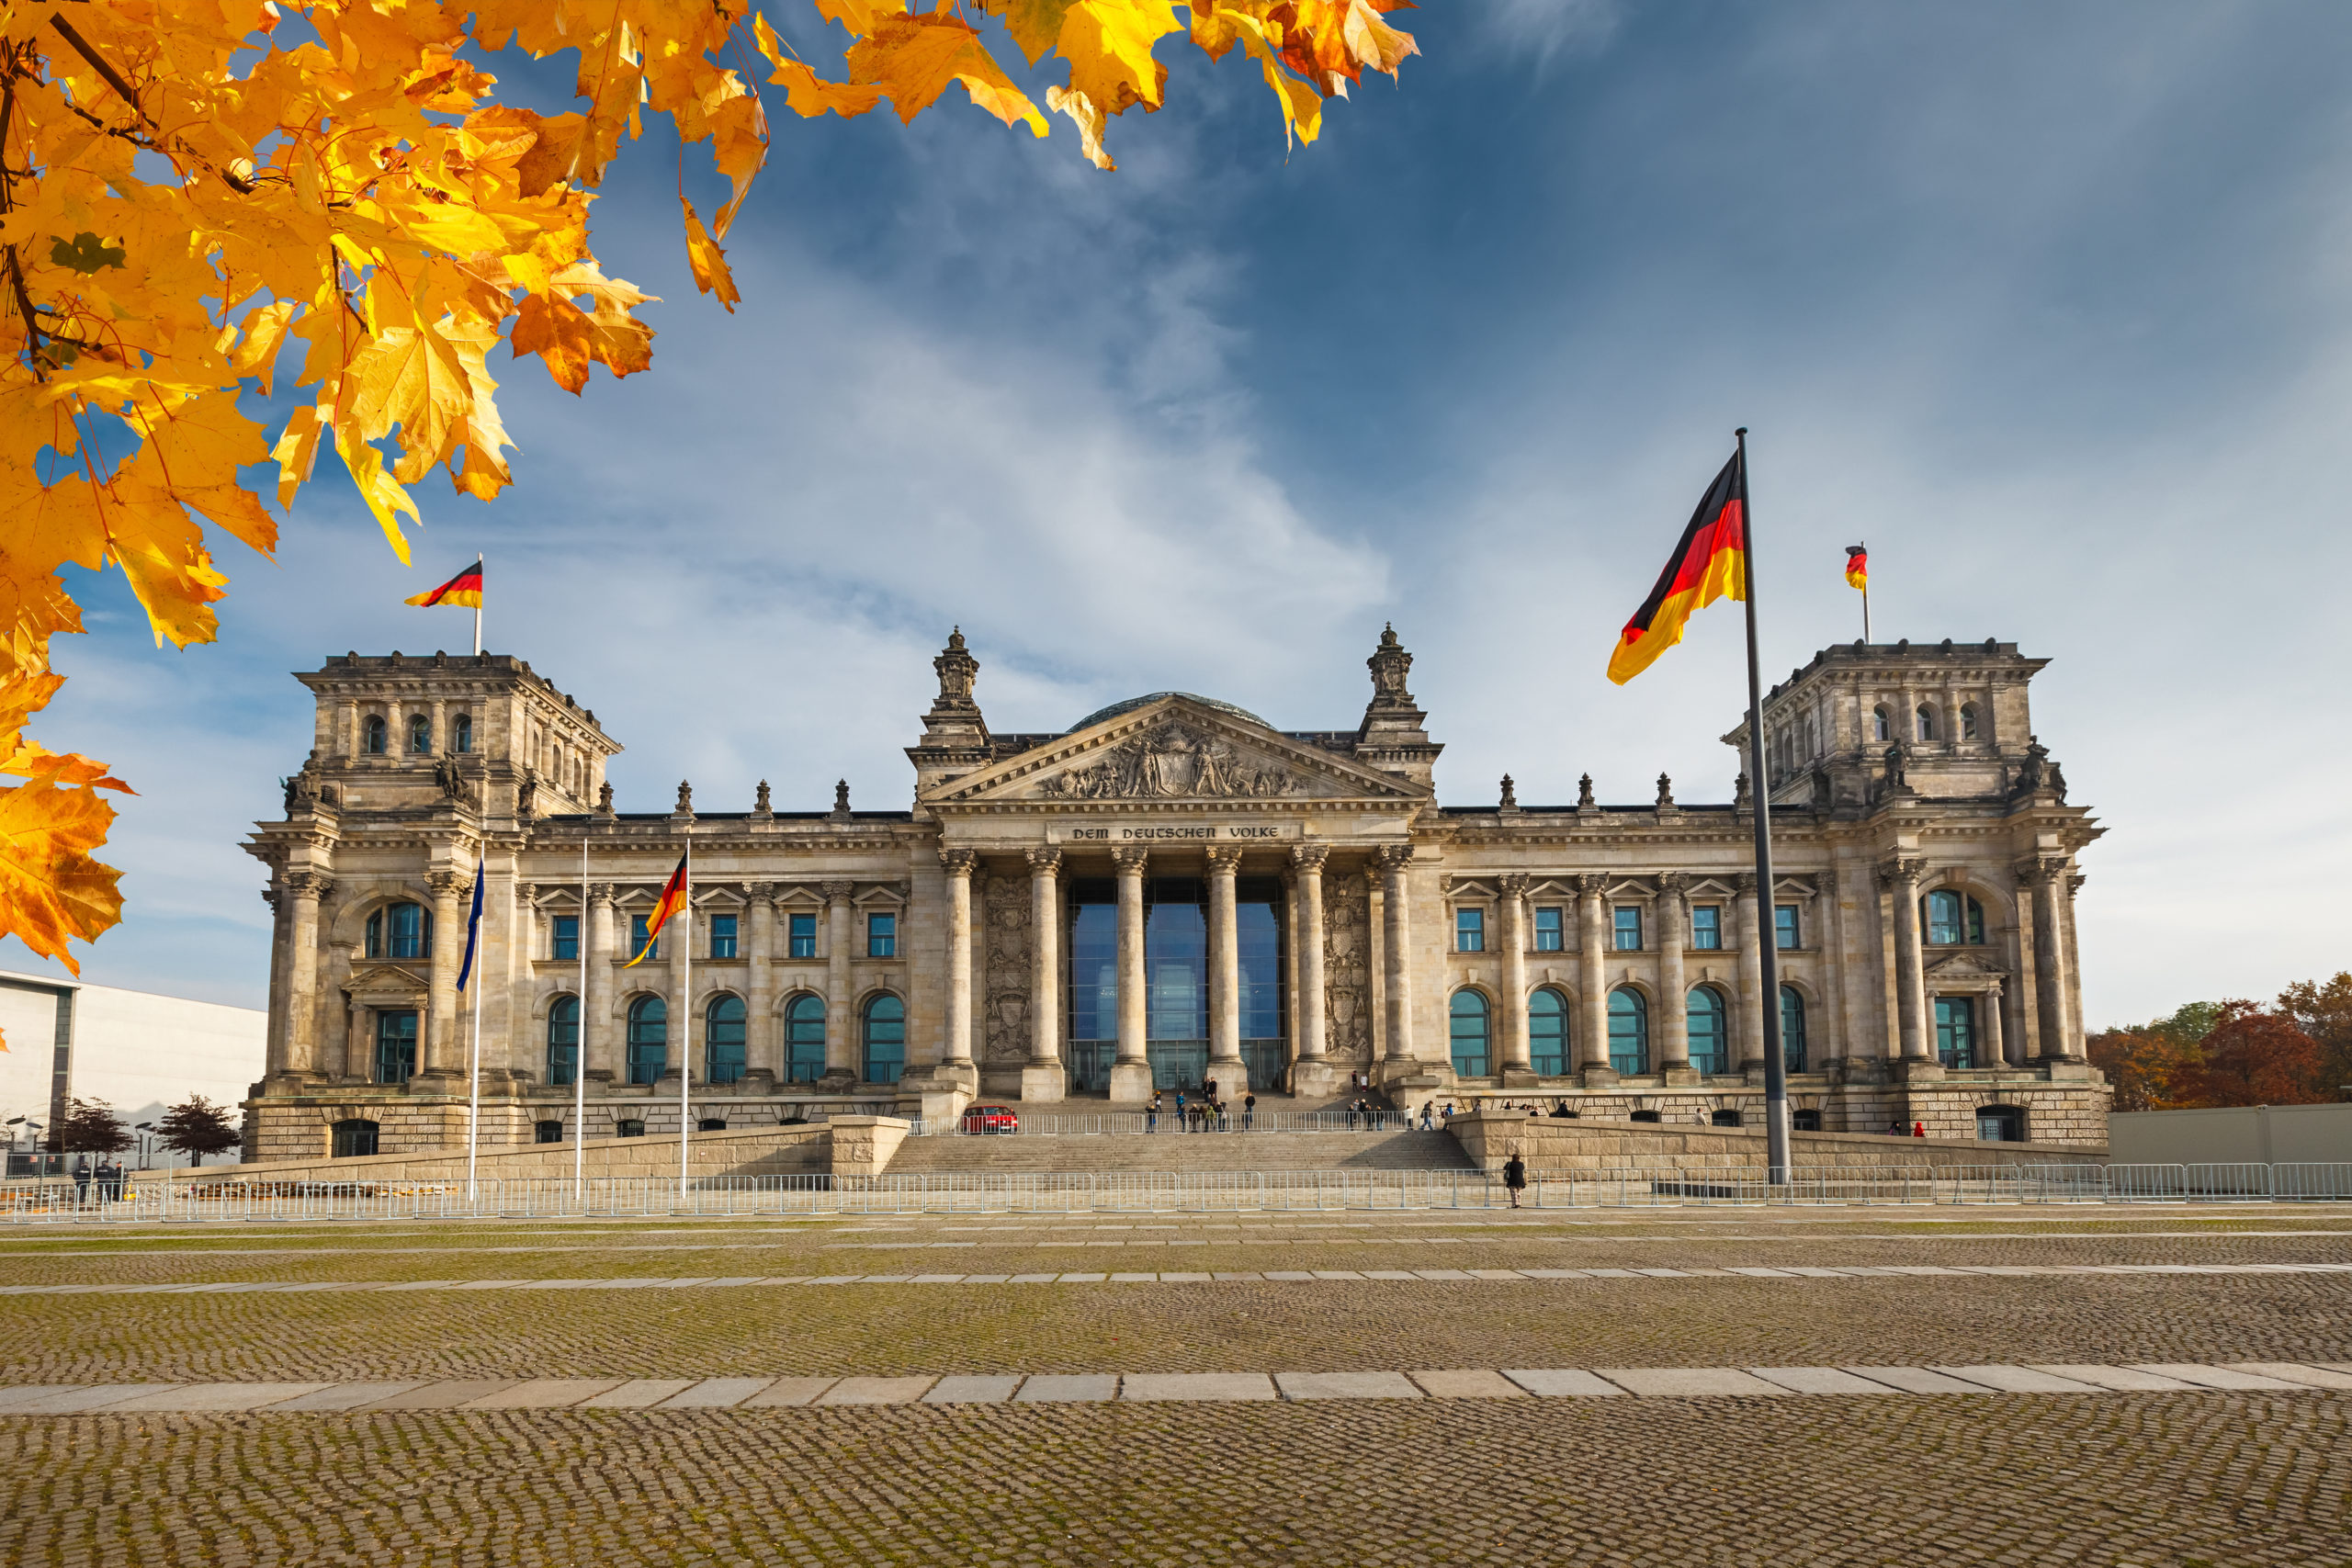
x=1742, y=794
x=760, y=806
x=1665, y=792
x=957, y=673
x=1584, y=793
x=686, y=806
x=1510, y=795
x=1389, y=665
x=605, y=799
x=841, y=800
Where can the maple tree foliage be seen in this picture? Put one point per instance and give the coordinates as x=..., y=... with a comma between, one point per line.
x=2234, y=1053
x=189, y=188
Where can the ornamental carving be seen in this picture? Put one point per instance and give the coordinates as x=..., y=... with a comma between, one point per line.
x=1347, y=968
x=1005, y=915
x=1175, y=761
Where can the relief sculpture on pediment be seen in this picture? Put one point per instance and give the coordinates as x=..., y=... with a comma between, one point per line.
x=1007, y=974
x=1347, y=968
x=1173, y=760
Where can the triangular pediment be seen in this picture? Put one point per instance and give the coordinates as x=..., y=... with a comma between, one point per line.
x=1960, y=964
x=1173, y=750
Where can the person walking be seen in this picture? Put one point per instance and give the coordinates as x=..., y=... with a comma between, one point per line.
x=1515, y=1176
x=1918, y=1128
x=1248, y=1111
x=1151, y=1114
x=1182, y=1108
x=82, y=1180
x=1428, y=1113
x=109, y=1180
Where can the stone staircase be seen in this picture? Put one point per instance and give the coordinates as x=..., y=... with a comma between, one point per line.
x=1101, y=1152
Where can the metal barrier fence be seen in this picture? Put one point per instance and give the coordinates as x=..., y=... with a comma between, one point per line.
x=1075, y=1192
x=977, y=1124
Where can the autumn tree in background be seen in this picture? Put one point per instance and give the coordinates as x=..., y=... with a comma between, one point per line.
x=2211, y=1054
x=2154, y=1065
x=2323, y=1012
x=89, y=1127
x=191, y=189
x=2254, y=1057
x=197, y=1127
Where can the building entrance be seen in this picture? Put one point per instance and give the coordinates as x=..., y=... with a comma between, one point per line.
x=1176, y=980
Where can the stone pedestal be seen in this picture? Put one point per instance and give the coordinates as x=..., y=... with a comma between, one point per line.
x=1317, y=1079
x=1130, y=1083
x=1522, y=1077
x=1684, y=1077
x=1043, y=1083
x=1599, y=1078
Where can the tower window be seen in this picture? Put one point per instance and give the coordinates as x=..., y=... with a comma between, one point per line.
x=374, y=735
x=461, y=733
x=420, y=734
x=1968, y=721
x=1881, y=727
x=1927, y=722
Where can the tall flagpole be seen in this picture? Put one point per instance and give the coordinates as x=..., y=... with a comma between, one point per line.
x=1866, y=590
x=686, y=1020
x=1767, y=938
x=478, y=594
x=580, y=1043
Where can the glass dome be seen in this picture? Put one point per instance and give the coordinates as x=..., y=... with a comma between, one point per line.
x=1115, y=709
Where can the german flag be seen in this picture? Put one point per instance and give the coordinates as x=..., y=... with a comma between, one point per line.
x=673, y=899
x=1858, y=567
x=463, y=589
x=1711, y=563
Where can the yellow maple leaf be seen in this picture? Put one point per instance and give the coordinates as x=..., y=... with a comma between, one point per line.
x=709, y=263
x=915, y=59
x=52, y=891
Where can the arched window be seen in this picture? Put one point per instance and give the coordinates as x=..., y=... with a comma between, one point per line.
x=1968, y=721
x=1881, y=727
x=352, y=1137
x=1547, y=1031
x=563, y=1040
x=461, y=733
x=420, y=734
x=886, y=1039
x=804, y=1038
x=373, y=736
x=1629, y=1032
x=400, y=930
x=1793, y=1029
x=1812, y=738
x=723, y=1036
x=649, y=1039
x=1705, y=1012
x=1469, y=1014
x=1926, y=720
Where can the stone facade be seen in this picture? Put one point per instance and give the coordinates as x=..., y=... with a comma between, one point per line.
x=1172, y=890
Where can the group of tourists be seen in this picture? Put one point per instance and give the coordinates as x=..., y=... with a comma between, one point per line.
x=109, y=1176
x=1203, y=1113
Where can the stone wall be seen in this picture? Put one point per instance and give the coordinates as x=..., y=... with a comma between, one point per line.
x=752, y=1151
x=1553, y=1145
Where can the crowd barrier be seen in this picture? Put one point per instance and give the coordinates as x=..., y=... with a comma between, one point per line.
x=1074, y=1192
x=972, y=1124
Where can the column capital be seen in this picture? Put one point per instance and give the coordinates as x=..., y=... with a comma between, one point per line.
x=1901, y=871
x=447, y=884
x=1671, y=884
x=1045, y=863
x=1309, y=857
x=1512, y=883
x=602, y=892
x=1393, y=857
x=1130, y=859
x=1590, y=883
x=1223, y=858
x=959, y=862
x=1745, y=883
x=307, y=883
x=838, y=892
x=759, y=892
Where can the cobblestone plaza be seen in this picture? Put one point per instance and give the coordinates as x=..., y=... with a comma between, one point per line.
x=2169, y=1386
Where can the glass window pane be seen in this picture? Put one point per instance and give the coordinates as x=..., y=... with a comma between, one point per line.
x=1975, y=923
x=1629, y=929
x=1547, y=1032
x=1706, y=927
x=1629, y=1032
x=881, y=936
x=1469, y=1031
x=1793, y=1029
x=567, y=937
x=1956, y=1030
x=1175, y=947
x=1705, y=1012
x=1470, y=931
x=1944, y=916
x=563, y=1039
x=803, y=937
x=395, y=1046
x=886, y=1039
x=648, y=1040
x=804, y=1034
x=723, y=1037
x=1784, y=926
x=640, y=938
x=1547, y=930
x=1093, y=977
x=374, y=947
x=722, y=936
x=1258, y=938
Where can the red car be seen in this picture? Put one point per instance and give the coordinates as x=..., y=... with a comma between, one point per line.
x=991, y=1119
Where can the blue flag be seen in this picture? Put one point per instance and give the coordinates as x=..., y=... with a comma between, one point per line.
x=473, y=928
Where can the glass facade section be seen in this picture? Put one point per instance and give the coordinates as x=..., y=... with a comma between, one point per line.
x=722, y=936
x=722, y=1031
x=641, y=940
x=804, y=1038
x=396, y=1045
x=881, y=936
x=1547, y=1032
x=1469, y=931
x=1784, y=926
x=567, y=939
x=1093, y=982
x=1176, y=966
x=1548, y=931
x=1708, y=1034
x=1629, y=929
x=649, y=1039
x=404, y=931
x=563, y=1039
x=1956, y=1030
x=800, y=937
x=1706, y=927
x=1629, y=1032
x=886, y=1039
x=1470, y=1034
x=1793, y=1029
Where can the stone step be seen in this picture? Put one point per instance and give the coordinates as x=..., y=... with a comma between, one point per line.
x=1391, y=1150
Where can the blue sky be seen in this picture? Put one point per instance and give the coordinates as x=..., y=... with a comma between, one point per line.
x=2052, y=304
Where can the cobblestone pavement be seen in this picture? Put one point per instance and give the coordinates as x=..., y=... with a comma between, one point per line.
x=2156, y=1480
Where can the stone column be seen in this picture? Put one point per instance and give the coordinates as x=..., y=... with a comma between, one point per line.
x=1225, y=977
x=1592, y=965
x=956, y=1056
x=2050, y=978
x=1754, y=933
x=306, y=888
x=1044, y=1080
x=1901, y=879
x=440, y=726
x=760, y=1032
x=347, y=742
x=1397, y=959
x=1375, y=961
x=443, y=1052
x=840, y=1050
x=1313, y=1076
x=1514, y=987
x=1673, y=1040
x=1992, y=1053
x=597, y=1057
x=1131, y=1071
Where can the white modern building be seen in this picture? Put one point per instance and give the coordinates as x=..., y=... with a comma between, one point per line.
x=138, y=1052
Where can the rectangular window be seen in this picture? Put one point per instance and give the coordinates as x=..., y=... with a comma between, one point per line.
x=1629, y=929
x=881, y=936
x=1784, y=926
x=411, y=932
x=395, y=1046
x=1469, y=931
x=722, y=936
x=567, y=937
x=1548, y=932
x=801, y=941
x=637, y=940
x=1706, y=927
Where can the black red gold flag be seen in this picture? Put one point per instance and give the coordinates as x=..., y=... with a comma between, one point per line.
x=673, y=899
x=1710, y=563
x=1858, y=567
x=463, y=589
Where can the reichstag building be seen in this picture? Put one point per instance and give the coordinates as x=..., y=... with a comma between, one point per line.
x=1173, y=890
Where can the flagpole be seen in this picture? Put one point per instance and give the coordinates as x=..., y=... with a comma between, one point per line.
x=1768, y=935
x=477, y=593
x=580, y=1044
x=1866, y=592
x=686, y=1020
x=473, y=1103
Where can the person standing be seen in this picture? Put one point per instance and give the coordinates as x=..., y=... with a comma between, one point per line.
x=1151, y=1114
x=1354, y=1107
x=1515, y=1176
x=82, y=1180
x=1182, y=1109
x=1248, y=1111
x=1918, y=1128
